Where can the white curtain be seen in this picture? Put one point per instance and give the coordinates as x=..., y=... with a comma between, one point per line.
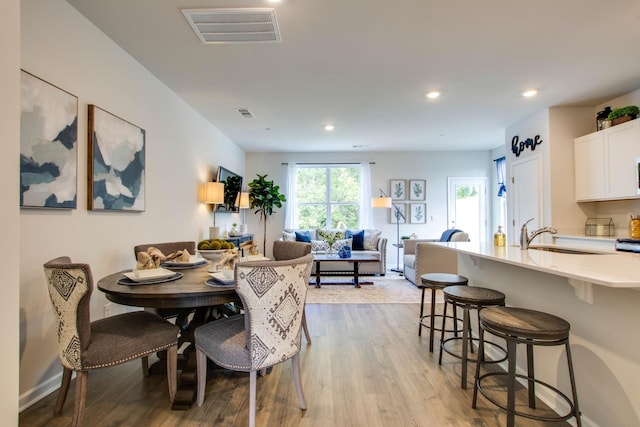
x=366, y=216
x=290, y=210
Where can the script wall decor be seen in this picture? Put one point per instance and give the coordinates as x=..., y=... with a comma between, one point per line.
x=48, y=145
x=116, y=169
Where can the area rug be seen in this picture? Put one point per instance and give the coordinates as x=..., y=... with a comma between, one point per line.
x=388, y=289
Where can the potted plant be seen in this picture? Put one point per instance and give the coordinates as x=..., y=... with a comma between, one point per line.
x=624, y=114
x=264, y=196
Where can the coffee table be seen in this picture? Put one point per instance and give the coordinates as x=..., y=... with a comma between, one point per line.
x=355, y=259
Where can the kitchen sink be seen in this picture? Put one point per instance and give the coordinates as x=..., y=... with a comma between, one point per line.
x=573, y=251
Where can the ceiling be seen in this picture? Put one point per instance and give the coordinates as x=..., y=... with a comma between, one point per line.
x=365, y=66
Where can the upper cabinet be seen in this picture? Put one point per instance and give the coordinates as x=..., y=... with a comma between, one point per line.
x=606, y=163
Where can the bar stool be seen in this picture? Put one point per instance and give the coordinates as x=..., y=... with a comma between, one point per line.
x=529, y=327
x=435, y=281
x=468, y=298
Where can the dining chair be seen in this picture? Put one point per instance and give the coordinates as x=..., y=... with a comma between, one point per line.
x=285, y=249
x=84, y=345
x=273, y=294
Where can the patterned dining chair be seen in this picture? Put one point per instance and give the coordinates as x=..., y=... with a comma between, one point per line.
x=84, y=345
x=285, y=249
x=273, y=294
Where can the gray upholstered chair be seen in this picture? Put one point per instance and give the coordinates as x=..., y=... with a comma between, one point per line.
x=273, y=294
x=283, y=250
x=84, y=345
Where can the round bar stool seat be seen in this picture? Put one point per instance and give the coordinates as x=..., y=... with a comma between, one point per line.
x=468, y=298
x=435, y=281
x=529, y=327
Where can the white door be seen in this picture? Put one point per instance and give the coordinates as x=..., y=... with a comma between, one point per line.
x=526, y=197
x=467, y=207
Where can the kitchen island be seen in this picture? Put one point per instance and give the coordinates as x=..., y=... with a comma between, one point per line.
x=598, y=294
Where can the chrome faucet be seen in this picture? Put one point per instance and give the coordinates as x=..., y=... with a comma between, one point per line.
x=525, y=239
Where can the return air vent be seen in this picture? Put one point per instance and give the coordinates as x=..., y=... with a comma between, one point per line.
x=244, y=112
x=245, y=25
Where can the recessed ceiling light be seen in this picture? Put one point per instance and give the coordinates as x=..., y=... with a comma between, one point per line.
x=329, y=128
x=433, y=94
x=529, y=93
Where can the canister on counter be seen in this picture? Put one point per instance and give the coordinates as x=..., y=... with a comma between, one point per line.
x=634, y=227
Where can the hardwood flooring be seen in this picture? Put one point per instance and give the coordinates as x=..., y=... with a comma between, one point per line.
x=366, y=367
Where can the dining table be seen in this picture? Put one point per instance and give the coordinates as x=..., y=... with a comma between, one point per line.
x=185, y=291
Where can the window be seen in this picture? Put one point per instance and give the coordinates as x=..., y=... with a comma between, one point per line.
x=327, y=196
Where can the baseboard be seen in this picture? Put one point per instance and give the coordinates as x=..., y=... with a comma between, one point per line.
x=40, y=391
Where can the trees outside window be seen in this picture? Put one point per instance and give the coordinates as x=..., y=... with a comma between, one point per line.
x=328, y=196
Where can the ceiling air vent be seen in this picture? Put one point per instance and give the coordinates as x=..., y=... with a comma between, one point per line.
x=244, y=112
x=245, y=25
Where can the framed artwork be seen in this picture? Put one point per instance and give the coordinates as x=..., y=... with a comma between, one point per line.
x=417, y=189
x=418, y=213
x=398, y=189
x=402, y=218
x=48, y=145
x=116, y=163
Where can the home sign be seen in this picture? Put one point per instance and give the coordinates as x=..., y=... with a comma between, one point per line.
x=517, y=146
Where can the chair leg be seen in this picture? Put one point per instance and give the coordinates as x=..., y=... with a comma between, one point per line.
x=304, y=327
x=201, y=375
x=80, y=397
x=295, y=361
x=62, y=393
x=145, y=365
x=172, y=371
x=252, y=398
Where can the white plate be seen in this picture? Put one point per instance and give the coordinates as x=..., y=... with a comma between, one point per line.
x=222, y=278
x=151, y=274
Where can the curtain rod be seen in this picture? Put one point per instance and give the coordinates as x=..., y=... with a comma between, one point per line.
x=328, y=163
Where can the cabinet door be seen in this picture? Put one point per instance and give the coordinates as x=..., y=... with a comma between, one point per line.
x=589, y=167
x=622, y=145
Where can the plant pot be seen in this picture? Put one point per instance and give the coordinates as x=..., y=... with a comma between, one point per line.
x=622, y=119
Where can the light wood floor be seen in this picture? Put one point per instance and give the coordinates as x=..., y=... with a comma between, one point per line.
x=366, y=367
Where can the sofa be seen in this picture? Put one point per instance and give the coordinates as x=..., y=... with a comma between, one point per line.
x=420, y=256
x=322, y=240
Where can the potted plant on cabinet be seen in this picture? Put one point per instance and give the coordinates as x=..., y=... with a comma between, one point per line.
x=264, y=196
x=624, y=114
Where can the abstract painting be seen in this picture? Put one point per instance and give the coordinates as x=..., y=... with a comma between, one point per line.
x=48, y=145
x=116, y=163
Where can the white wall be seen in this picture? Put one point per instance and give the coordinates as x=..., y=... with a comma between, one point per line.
x=182, y=150
x=435, y=167
x=9, y=226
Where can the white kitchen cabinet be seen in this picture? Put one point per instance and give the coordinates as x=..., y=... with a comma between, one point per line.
x=606, y=166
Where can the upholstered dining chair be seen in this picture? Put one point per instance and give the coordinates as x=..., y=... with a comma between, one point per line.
x=84, y=345
x=283, y=250
x=273, y=295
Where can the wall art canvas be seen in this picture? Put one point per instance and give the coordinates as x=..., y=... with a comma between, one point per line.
x=398, y=189
x=418, y=213
x=116, y=163
x=417, y=189
x=393, y=217
x=48, y=145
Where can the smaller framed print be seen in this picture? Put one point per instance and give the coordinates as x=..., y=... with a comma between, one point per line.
x=398, y=189
x=418, y=213
x=417, y=189
x=398, y=213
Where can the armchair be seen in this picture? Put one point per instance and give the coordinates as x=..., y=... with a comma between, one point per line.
x=420, y=257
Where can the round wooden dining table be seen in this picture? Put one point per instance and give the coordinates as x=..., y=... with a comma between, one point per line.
x=191, y=299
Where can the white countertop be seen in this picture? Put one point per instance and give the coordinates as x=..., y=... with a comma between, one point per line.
x=611, y=269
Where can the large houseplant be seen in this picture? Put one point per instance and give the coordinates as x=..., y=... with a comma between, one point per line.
x=264, y=196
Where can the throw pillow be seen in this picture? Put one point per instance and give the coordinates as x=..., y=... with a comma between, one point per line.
x=319, y=246
x=303, y=236
x=339, y=244
x=371, y=238
x=330, y=235
x=288, y=236
x=358, y=239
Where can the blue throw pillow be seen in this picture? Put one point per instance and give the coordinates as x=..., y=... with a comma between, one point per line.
x=304, y=236
x=358, y=239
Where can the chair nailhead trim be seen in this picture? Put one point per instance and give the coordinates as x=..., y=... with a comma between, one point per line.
x=133, y=357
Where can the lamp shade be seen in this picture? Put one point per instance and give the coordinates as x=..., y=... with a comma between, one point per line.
x=214, y=193
x=381, y=202
x=242, y=201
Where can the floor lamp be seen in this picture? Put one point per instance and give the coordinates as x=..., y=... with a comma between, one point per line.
x=384, y=201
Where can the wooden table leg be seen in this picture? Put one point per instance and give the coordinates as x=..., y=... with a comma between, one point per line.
x=355, y=274
x=317, y=274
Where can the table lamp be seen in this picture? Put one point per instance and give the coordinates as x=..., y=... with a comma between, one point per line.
x=214, y=195
x=242, y=202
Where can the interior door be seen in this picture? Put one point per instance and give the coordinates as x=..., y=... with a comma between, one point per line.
x=467, y=207
x=526, y=198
